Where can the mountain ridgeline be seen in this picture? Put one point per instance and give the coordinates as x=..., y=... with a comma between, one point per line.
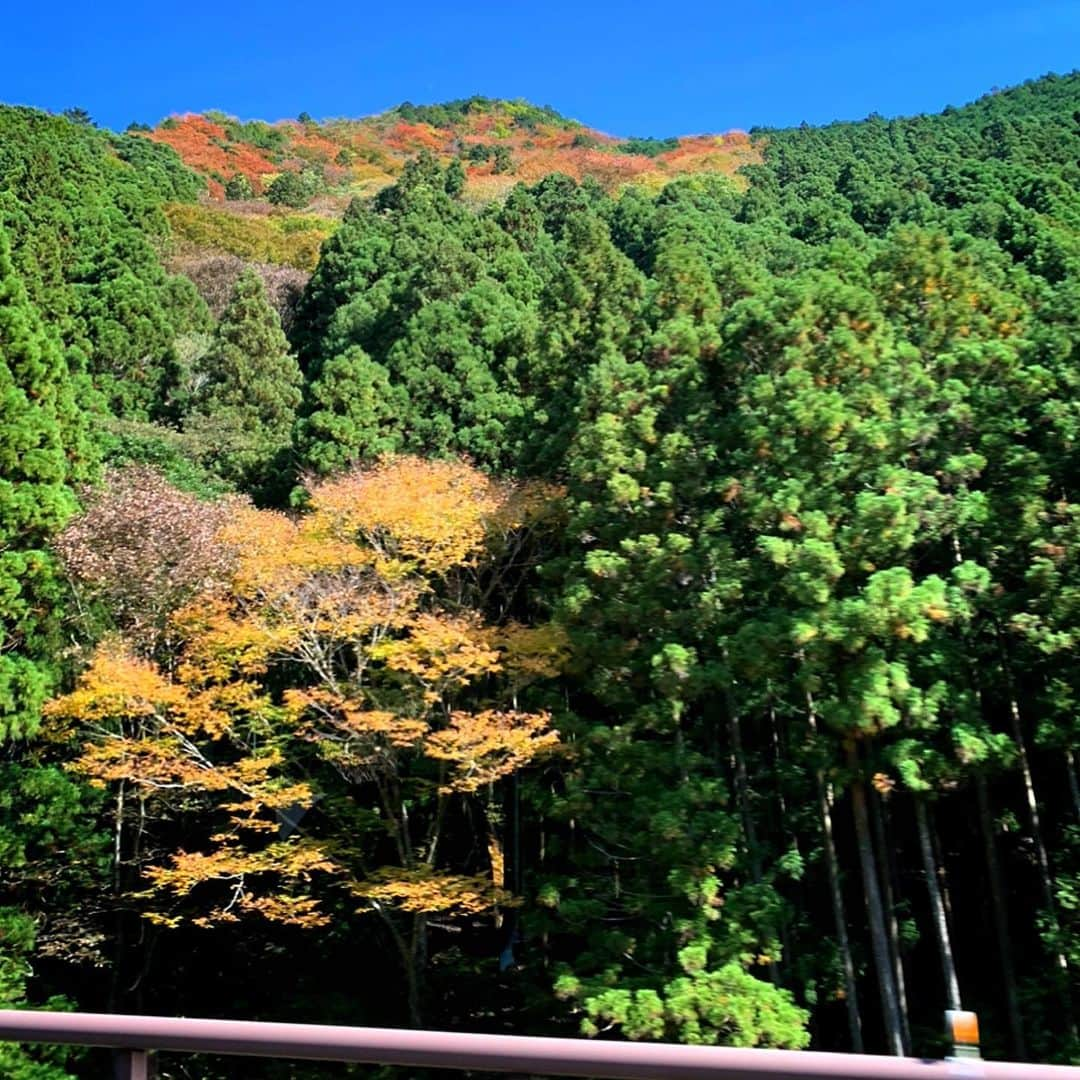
x=464, y=570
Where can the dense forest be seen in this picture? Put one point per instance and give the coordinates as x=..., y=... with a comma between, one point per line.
x=600, y=609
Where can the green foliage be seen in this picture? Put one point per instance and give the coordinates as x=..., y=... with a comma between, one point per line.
x=351, y=414
x=256, y=133
x=454, y=181
x=43, y=448
x=450, y=113
x=503, y=160
x=239, y=187
x=648, y=147
x=83, y=213
x=243, y=413
x=17, y=1062
x=440, y=304
x=703, y=1008
x=814, y=572
x=292, y=189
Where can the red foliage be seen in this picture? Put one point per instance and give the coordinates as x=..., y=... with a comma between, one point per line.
x=309, y=143
x=205, y=147
x=410, y=138
x=379, y=148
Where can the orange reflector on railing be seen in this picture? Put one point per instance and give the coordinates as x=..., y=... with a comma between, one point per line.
x=963, y=1031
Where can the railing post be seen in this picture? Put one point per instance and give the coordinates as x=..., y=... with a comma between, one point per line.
x=133, y=1065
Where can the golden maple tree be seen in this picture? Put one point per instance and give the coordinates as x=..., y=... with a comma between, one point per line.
x=354, y=664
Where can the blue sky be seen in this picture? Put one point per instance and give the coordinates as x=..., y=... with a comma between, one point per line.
x=628, y=68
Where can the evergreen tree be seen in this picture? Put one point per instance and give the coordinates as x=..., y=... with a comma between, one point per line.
x=42, y=450
x=351, y=414
x=238, y=187
x=243, y=414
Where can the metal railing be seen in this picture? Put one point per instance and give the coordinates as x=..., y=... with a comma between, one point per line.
x=136, y=1037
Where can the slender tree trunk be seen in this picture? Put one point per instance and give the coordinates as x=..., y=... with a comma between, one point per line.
x=1074, y=789
x=1045, y=874
x=1001, y=923
x=888, y=898
x=1034, y=816
x=939, y=861
x=890, y=1007
x=742, y=794
x=832, y=864
x=851, y=993
x=937, y=908
x=120, y=914
x=781, y=801
x=417, y=962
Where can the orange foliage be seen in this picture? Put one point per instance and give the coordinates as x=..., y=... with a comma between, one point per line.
x=310, y=143
x=116, y=684
x=429, y=892
x=433, y=515
x=410, y=138
x=381, y=146
x=488, y=745
x=204, y=147
x=385, y=673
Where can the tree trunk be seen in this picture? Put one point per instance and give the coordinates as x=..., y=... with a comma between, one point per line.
x=939, y=861
x=937, y=908
x=879, y=942
x=415, y=969
x=1034, y=816
x=851, y=995
x=742, y=794
x=888, y=899
x=832, y=864
x=781, y=800
x=1001, y=923
x=1045, y=875
x=120, y=914
x=1074, y=790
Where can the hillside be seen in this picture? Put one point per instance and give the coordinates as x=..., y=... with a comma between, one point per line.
x=596, y=611
x=498, y=143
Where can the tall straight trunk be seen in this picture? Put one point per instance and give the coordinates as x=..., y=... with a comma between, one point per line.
x=742, y=794
x=939, y=861
x=879, y=942
x=888, y=898
x=1045, y=875
x=781, y=801
x=120, y=914
x=1001, y=922
x=1070, y=770
x=937, y=907
x=417, y=962
x=832, y=864
x=851, y=994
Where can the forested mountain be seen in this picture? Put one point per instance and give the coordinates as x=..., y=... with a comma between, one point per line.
x=498, y=144
x=640, y=609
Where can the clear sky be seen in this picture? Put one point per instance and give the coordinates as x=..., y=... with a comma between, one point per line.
x=629, y=68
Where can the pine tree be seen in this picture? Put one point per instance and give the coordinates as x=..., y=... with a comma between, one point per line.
x=42, y=448
x=656, y=847
x=351, y=414
x=244, y=413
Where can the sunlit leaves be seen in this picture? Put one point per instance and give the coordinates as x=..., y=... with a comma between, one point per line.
x=383, y=667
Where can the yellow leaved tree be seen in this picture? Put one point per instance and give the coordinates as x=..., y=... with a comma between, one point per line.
x=352, y=677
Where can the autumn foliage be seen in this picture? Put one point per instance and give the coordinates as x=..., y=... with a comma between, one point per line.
x=203, y=146
x=363, y=156
x=346, y=656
